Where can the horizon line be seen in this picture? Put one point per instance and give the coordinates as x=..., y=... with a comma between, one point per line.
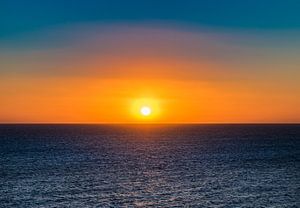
x=149, y=123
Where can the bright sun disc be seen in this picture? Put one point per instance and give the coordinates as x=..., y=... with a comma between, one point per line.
x=145, y=111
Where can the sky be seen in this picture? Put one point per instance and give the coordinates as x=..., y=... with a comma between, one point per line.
x=202, y=61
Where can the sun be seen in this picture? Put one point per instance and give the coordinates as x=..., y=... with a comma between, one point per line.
x=145, y=110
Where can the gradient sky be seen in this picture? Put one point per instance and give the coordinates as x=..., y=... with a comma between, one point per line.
x=198, y=61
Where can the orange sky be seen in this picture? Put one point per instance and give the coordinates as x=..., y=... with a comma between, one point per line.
x=111, y=100
x=193, y=77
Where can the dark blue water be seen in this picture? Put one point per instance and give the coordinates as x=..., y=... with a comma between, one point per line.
x=150, y=165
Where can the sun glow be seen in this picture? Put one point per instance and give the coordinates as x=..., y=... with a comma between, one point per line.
x=145, y=111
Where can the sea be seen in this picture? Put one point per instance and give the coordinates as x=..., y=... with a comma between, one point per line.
x=150, y=165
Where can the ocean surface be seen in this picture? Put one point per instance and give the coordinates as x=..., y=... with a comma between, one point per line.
x=149, y=166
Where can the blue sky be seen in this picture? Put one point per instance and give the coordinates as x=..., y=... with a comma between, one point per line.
x=18, y=16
